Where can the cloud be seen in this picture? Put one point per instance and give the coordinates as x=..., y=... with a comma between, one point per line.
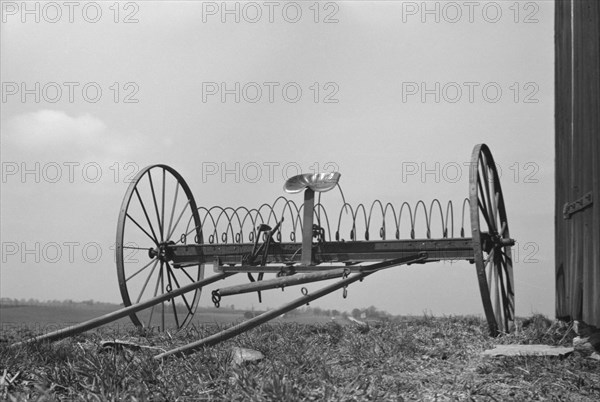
x=49, y=128
x=54, y=134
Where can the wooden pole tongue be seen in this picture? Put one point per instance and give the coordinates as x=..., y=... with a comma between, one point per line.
x=115, y=315
x=305, y=298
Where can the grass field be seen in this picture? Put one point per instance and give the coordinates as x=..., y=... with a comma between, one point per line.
x=406, y=358
x=46, y=318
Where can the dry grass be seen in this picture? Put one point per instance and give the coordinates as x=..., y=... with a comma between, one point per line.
x=410, y=358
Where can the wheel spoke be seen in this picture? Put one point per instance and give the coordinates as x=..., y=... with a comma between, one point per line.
x=143, y=230
x=188, y=275
x=506, y=256
x=482, y=205
x=146, y=214
x=140, y=270
x=495, y=207
x=160, y=224
x=146, y=282
x=162, y=209
x=507, y=272
x=486, y=181
x=497, y=309
x=503, y=293
x=484, y=172
x=489, y=259
x=172, y=212
x=509, y=284
x=484, y=213
x=158, y=281
x=495, y=288
x=170, y=286
x=481, y=196
x=178, y=219
x=502, y=229
x=136, y=248
x=170, y=270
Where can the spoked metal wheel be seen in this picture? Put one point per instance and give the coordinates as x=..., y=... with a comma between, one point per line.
x=491, y=242
x=158, y=211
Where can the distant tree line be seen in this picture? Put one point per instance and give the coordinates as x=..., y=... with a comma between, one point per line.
x=365, y=313
x=7, y=301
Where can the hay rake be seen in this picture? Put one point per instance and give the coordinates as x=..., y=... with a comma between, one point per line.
x=164, y=241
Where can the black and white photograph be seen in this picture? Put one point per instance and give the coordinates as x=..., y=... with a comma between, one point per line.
x=311, y=200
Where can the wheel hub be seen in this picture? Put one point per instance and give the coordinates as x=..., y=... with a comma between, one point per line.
x=163, y=252
x=494, y=240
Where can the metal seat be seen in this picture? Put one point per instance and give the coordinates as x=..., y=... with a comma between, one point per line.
x=319, y=182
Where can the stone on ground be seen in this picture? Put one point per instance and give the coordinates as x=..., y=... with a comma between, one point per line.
x=528, y=350
x=243, y=355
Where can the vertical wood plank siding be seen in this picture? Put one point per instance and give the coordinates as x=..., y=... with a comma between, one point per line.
x=577, y=132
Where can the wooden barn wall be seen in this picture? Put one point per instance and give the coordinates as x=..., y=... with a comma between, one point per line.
x=577, y=123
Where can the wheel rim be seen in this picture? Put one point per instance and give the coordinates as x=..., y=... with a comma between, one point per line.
x=491, y=242
x=156, y=212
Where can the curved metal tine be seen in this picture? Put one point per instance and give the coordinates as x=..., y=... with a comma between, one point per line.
x=160, y=224
x=326, y=220
x=142, y=229
x=345, y=205
x=462, y=219
x=450, y=214
x=443, y=223
x=172, y=211
x=141, y=269
x=229, y=226
x=191, y=231
x=137, y=193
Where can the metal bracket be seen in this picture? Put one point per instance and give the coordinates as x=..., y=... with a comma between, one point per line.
x=580, y=204
x=217, y=265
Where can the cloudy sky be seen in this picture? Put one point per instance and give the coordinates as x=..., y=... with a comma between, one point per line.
x=394, y=95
